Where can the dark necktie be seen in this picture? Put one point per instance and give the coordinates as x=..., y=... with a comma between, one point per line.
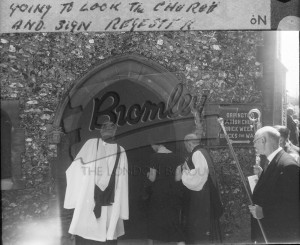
x=266, y=165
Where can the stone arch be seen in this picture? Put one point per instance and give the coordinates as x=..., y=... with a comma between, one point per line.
x=141, y=73
x=134, y=67
x=139, y=70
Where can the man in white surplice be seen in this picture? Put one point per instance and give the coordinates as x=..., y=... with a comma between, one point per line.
x=92, y=166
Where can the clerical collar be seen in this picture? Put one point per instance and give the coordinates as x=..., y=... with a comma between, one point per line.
x=111, y=140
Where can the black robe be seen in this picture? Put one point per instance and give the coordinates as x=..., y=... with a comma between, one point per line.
x=203, y=208
x=277, y=192
x=165, y=202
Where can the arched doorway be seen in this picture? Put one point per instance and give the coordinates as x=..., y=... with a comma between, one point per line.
x=134, y=92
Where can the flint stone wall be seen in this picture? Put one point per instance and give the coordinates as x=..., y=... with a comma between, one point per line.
x=40, y=69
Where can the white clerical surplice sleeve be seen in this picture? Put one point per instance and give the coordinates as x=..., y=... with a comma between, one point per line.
x=74, y=176
x=195, y=179
x=77, y=172
x=124, y=209
x=120, y=209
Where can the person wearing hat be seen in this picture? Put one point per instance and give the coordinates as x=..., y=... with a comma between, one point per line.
x=97, y=190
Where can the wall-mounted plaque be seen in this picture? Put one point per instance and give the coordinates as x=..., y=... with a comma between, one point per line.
x=237, y=124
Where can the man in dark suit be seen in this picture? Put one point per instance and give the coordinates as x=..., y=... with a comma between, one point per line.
x=276, y=195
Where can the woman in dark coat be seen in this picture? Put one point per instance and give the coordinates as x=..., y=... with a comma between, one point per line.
x=165, y=202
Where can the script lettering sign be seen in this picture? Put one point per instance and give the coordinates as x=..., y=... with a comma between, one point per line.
x=179, y=105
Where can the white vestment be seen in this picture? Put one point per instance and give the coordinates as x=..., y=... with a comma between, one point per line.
x=196, y=178
x=81, y=180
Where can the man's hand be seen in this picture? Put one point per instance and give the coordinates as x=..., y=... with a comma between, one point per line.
x=256, y=211
x=185, y=166
x=178, y=173
x=257, y=170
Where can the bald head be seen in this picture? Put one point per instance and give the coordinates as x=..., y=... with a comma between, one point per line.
x=192, y=138
x=190, y=141
x=266, y=140
x=269, y=132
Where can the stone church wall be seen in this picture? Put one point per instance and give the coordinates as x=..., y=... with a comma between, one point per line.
x=38, y=70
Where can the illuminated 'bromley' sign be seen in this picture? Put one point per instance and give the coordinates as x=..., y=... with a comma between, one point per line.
x=179, y=105
x=131, y=15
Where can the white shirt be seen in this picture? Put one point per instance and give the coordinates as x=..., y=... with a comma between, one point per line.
x=296, y=156
x=273, y=154
x=196, y=178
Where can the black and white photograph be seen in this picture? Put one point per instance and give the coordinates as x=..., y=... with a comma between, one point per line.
x=149, y=122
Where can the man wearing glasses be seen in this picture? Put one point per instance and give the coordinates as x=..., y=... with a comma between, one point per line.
x=276, y=194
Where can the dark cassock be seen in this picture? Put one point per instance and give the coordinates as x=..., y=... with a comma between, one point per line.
x=97, y=190
x=277, y=192
x=165, y=202
x=203, y=206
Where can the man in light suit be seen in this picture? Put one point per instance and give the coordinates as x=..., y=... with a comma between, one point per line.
x=276, y=195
